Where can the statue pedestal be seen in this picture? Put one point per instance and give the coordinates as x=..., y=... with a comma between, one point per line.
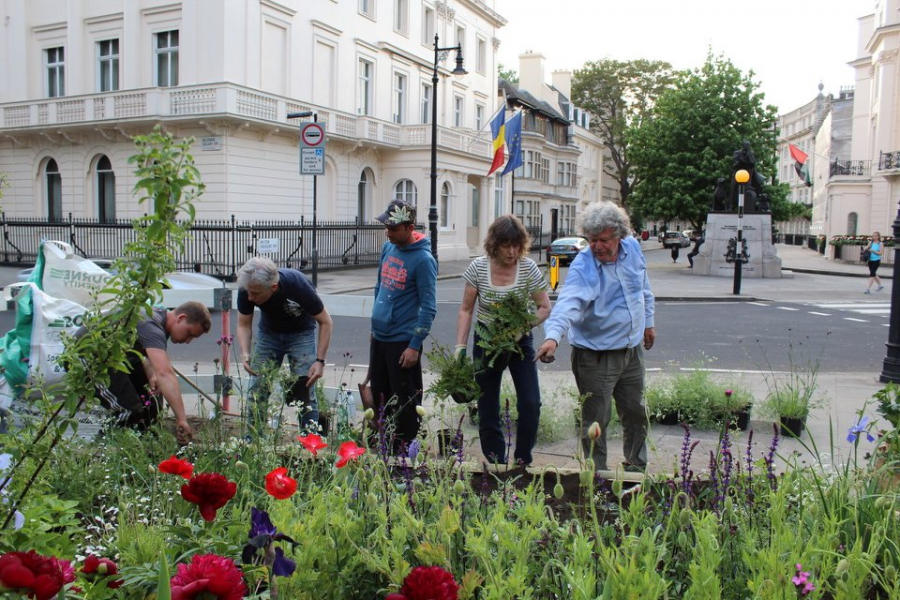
x=757, y=231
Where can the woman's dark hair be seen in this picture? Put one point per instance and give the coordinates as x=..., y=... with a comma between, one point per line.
x=507, y=229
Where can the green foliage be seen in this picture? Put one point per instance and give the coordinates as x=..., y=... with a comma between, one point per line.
x=509, y=75
x=456, y=374
x=792, y=395
x=512, y=316
x=690, y=139
x=620, y=95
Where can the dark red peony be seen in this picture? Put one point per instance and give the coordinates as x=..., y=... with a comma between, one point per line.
x=427, y=583
x=101, y=567
x=177, y=466
x=280, y=485
x=210, y=492
x=34, y=576
x=209, y=577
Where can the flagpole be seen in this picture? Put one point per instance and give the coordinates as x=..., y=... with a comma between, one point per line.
x=512, y=208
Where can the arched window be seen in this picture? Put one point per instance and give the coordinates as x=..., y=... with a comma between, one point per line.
x=406, y=190
x=361, y=189
x=445, y=205
x=106, y=190
x=53, y=189
x=852, y=219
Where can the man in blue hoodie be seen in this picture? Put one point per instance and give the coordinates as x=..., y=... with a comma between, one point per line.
x=401, y=319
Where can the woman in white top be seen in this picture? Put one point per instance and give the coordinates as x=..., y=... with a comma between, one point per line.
x=503, y=270
x=876, y=251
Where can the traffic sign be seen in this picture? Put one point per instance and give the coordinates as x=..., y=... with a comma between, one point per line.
x=312, y=135
x=312, y=149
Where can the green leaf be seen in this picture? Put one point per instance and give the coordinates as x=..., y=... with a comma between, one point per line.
x=164, y=585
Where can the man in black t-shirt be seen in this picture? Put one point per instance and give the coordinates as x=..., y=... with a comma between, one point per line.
x=290, y=310
x=131, y=395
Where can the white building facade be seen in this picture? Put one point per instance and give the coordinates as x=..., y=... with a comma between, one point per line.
x=79, y=79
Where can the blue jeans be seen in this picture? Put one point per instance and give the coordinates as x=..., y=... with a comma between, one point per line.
x=300, y=349
x=491, y=422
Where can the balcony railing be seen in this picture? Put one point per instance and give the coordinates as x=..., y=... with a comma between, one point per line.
x=224, y=99
x=888, y=161
x=850, y=168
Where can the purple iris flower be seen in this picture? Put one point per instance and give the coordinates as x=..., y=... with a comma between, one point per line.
x=860, y=428
x=263, y=536
x=413, y=451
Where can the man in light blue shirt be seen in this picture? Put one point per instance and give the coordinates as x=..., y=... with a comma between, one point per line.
x=606, y=308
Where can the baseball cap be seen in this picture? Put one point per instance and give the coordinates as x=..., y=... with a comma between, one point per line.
x=398, y=213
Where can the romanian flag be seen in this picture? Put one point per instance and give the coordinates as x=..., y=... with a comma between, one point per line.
x=801, y=165
x=514, y=143
x=498, y=132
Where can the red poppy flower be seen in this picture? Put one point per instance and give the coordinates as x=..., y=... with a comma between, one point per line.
x=177, y=466
x=33, y=575
x=280, y=485
x=349, y=451
x=102, y=567
x=429, y=583
x=312, y=442
x=210, y=492
x=210, y=577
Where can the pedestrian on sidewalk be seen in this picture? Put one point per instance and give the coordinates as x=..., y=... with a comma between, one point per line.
x=875, y=250
x=405, y=307
x=698, y=241
x=290, y=310
x=504, y=269
x=606, y=308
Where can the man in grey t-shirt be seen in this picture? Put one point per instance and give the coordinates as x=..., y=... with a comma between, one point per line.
x=132, y=395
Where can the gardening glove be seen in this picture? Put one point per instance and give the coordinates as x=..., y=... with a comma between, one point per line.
x=460, y=351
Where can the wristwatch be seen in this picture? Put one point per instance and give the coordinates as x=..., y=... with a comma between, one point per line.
x=321, y=360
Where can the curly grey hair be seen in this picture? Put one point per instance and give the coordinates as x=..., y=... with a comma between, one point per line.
x=259, y=270
x=604, y=215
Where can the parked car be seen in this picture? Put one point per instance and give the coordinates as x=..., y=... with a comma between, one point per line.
x=176, y=280
x=567, y=248
x=676, y=238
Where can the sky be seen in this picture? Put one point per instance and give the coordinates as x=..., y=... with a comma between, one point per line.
x=791, y=45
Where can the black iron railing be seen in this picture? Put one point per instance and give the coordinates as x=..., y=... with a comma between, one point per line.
x=889, y=160
x=850, y=168
x=216, y=248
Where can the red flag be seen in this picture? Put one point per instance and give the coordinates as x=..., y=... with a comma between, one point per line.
x=799, y=155
x=800, y=165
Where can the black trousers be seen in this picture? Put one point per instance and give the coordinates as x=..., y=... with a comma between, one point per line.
x=396, y=389
x=128, y=398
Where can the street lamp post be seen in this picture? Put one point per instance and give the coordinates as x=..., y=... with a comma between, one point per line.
x=741, y=177
x=459, y=71
x=315, y=249
x=890, y=371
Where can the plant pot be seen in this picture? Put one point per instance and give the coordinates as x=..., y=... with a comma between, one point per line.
x=792, y=426
x=740, y=419
x=324, y=424
x=460, y=398
x=670, y=418
x=446, y=445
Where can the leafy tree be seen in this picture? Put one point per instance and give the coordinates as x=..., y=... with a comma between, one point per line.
x=620, y=95
x=690, y=140
x=510, y=75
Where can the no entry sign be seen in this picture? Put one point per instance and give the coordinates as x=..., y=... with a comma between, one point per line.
x=312, y=149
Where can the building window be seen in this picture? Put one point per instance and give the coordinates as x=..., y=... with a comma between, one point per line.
x=534, y=165
x=56, y=71
x=545, y=170
x=366, y=68
x=108, y=66
x=406, y=190
x=167, y=58
x=106, y=190
x=476, y=206
x=367, y=8
x=461, y=38
x=444, y=212
x=427, y=26
x=401, y=16
x=458, y=110
x=399, y=98
x=481, y=56
x=499, y=196
x=479, y=116
x=53, y=185
x=532, y=216
x=427, y=93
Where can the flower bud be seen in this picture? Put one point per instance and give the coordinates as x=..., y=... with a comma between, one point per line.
x=728, y=393
x=459, y=487
x=842, y=566
x=371, y=499
x=242, y=465
x=369, y=414
x=449, y=521
x=337, y=490
x=880, y=502
x=682, y=539
x=617, y=488
x=558, y=491
x=585, y=477
x=420, y=410
x=594, y=431
x=684, y=517
x=890, y=573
